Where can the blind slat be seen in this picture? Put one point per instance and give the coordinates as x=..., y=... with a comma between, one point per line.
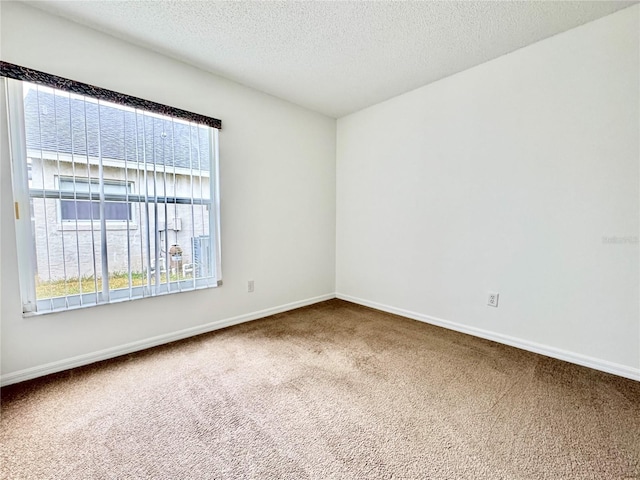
x=93, y=240
x=62, y=236
x=75, y=203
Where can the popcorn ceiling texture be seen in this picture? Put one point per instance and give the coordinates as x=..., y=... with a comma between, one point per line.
x=332, y=57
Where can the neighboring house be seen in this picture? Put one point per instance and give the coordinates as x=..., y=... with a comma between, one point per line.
x=170, y=159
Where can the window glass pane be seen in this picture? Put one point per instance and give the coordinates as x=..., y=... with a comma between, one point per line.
x=83, y=186
x=113, y=210
x=82, y=210
x=91, y=210
x=117, y=211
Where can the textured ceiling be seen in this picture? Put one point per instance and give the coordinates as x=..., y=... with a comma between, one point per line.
x=332, y=57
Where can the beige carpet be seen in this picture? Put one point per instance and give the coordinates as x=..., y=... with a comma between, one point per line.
x=332, y=391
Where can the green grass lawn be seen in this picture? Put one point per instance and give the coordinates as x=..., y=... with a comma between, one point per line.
x=71, y=286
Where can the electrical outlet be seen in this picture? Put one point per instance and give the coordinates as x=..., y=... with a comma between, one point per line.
x=250, y=286
x=492, y=300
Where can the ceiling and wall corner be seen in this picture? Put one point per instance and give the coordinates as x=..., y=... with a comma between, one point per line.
x=332, y=57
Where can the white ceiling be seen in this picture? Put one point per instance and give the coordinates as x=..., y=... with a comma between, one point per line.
x=332, y=57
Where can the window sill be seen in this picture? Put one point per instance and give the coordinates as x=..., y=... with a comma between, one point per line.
x=76, y=302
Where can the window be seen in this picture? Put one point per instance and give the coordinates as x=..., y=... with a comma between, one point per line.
x=86, y=211
x=123, y=200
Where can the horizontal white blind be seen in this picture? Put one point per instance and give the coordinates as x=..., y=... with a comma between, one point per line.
x=123, y=202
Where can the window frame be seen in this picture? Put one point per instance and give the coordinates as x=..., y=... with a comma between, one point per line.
x=12, y=91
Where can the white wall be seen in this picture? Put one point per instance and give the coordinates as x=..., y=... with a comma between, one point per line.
x=506, y=177
x=278, y=198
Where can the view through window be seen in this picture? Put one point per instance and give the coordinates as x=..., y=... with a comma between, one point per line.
x=122, y=201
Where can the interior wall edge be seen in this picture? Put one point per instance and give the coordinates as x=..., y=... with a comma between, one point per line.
x=546, y=350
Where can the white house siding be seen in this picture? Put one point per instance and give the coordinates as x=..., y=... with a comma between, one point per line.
x=63, y=248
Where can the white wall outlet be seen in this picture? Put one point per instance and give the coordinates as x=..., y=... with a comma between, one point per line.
x=492, y=299
x=250, y=286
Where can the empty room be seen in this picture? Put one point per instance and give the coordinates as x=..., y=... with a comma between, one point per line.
x=320, y=240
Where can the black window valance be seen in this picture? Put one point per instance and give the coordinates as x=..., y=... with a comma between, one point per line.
x=18, y=72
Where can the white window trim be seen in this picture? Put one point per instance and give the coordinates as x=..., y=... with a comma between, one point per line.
x=12, y=93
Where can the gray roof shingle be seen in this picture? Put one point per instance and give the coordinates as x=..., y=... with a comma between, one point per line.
x=71, y=125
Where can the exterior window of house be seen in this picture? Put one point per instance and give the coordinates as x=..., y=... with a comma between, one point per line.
x=71, y=210
x=113, y=202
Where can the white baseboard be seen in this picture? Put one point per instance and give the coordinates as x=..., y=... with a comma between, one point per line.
x=579, y=359
x=80, y=360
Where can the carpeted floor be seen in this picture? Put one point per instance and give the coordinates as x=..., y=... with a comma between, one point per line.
x=331, y=391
